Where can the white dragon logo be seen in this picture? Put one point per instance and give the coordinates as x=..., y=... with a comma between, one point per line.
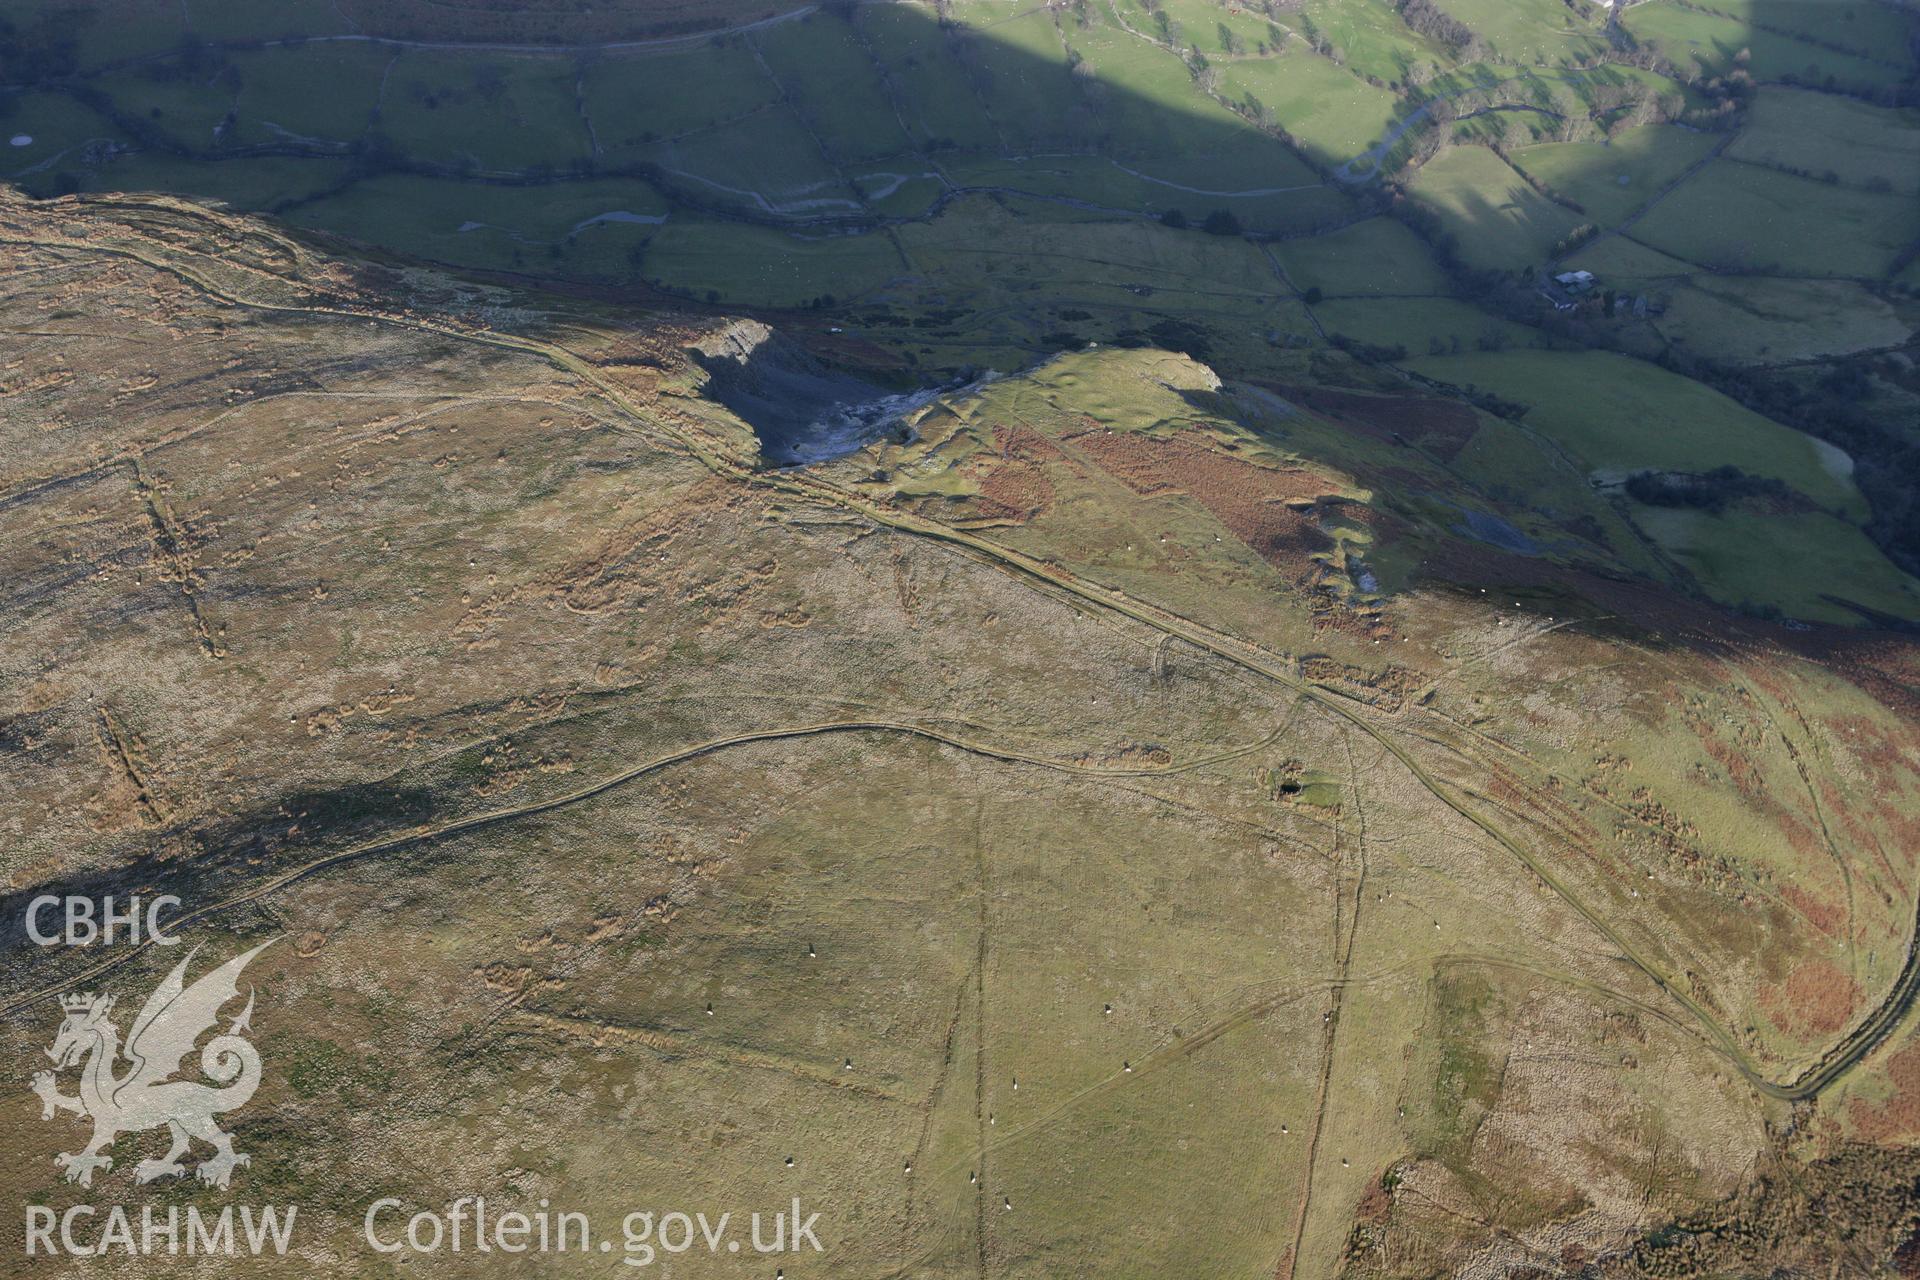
x=142, y=1097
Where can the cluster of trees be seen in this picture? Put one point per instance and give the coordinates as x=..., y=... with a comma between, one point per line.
x=1842, y=405
x=1713, y=490
x=1428, y=19
x=1169, y=335
x=1580, y=235
x=1219, y=222
x=1498, y=406
x=1368, y=352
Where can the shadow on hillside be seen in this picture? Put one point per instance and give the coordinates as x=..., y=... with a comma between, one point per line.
x=796, y=160
x=848, y=116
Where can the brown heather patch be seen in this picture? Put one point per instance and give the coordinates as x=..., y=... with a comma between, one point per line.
x=1799, y=834
x=1376, y=1204
x=1016, y=488
x=1886, y=665
x=1899, y=1116
x=1838, y=807
x=1765, y=677
x=1730, y=759
x=1818, y=998
x=1544, y=810
x=1252, y=501
x=1827, y=917
x=1015, y=491
x=1903, y=823
x=1636, y=604
x=1891, y=761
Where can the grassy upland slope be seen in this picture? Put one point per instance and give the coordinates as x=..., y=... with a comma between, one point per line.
x=454, y=636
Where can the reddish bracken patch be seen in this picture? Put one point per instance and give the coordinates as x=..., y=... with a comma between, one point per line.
x=1252, y=501
x=1441, y=427
x=1016, y=491
x=1016, y=488
x=1885, y=665
x=1827, y=917
x=1376, y=1203
x=1817, y=999
x=1899, y=1115
x=1892, y=761
x=1733, y=761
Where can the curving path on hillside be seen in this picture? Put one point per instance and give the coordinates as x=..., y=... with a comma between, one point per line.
x=728, y=459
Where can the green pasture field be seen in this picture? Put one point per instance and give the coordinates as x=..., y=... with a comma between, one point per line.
x=1370, y=38
x=283, y=19
x=763, y=266
x=1603, y=86
x=1206, y=25
x=1713, y=42
x=1619, y=415
x=1421, y=325
x=1023, y=72
x=1378, y=256
x=187, y=109
x=1107, y=184
x=499, y=112
x=1624, y=262
x=1331, y=112
x=1011, y=244
x=326, y=91
x=58, y=127
x=990, y=265
x=1140, y=100
x=1526, y=473
x=1153, y=187
x=907, y=192
x=1758, y=320
x=939, y=102
x=248, y=182
x=1483, y=77
x=767, y=161
x=1743, y=217
x=1532, y=31
x=1145, y=109
x=1793, y=562
x=1612, y=180
x=1093, y=179
x=829, y=76
x=509, y=228
x=1820, y=133
x=1496, y=84
x=635, y=100
x=1246, y=163
x=1862, y=26
x=1497, y=220
x=1490, y=101
x=112, y=32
